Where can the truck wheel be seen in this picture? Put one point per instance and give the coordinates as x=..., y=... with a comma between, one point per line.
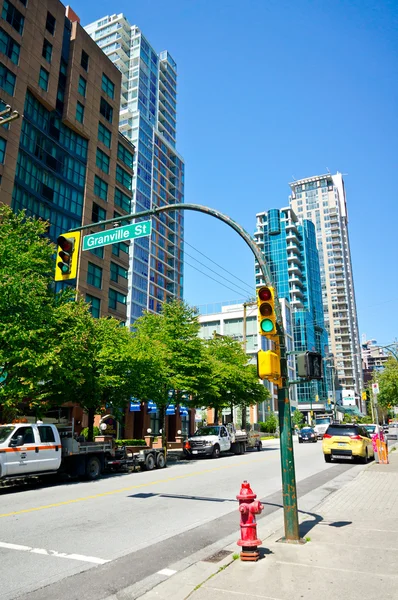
x=161, y=461
x=216, y=451
x=150, y=462
x=259, y=446
x=93, y=468
x=242, y=448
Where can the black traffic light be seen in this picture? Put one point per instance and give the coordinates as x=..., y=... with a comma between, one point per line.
x=266, y=311
x=67, y=256
x=309, y=365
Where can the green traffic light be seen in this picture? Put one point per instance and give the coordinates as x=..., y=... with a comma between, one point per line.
x=267, y=325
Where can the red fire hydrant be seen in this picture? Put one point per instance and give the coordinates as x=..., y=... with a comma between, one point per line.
x=249, y=507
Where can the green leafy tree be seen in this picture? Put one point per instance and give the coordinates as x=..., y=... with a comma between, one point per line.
x=172, y=357
x=27, y=313
x=388, y=385
x=235, y=382
x=298, y=418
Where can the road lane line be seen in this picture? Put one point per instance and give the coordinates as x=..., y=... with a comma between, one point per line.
x=43, y=551
x=168, y=572
x=119, y=491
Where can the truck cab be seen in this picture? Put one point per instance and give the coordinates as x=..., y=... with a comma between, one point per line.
x=27, y=448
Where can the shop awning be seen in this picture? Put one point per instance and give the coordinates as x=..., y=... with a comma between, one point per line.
x=349, y=410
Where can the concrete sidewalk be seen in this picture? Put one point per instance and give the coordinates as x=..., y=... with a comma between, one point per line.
x=351, y=550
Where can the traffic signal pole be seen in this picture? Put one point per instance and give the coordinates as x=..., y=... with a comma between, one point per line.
x=286, y=444
x=289, y=489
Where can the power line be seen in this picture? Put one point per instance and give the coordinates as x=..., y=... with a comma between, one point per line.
x=210, y=277
x=217, y=265
x=222, y=276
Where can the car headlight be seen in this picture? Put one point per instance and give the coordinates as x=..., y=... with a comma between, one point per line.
x=208, y=443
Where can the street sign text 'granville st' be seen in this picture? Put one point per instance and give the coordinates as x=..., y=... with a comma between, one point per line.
x=120, y=234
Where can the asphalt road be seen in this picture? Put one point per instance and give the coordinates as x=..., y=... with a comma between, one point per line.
x=88, y=539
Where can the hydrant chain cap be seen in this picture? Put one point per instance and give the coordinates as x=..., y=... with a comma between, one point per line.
x=246, y=493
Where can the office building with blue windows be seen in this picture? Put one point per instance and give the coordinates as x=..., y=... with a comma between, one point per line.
x=289, y=247
x=64, y=160
x=148, y=119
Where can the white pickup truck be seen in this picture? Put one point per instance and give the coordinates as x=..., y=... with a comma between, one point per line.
x=213, y=440
x=36, y=449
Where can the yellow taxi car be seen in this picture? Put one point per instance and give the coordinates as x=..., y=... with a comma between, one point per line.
x=347, y=442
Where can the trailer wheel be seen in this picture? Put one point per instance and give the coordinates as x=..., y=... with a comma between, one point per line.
x=242, y=447
x=259, y=446
x=93, y=468
x=150, y=462
x=161, y=461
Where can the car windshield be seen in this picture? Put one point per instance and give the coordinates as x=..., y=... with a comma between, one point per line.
x=322, y=420
x=207, y=431
x=307, y=430
x=345, y=430
x=5, y=431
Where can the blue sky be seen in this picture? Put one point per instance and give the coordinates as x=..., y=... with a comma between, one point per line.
x=271, y=90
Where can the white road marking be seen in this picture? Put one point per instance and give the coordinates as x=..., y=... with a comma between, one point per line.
x=167, y=572
x=42, y=551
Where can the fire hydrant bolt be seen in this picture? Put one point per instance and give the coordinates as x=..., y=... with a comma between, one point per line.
x=249, y=507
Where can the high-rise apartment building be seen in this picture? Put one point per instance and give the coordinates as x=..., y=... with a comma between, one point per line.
x=148, y=119
x=64, y=160
x=289, y=247
x=322, y=200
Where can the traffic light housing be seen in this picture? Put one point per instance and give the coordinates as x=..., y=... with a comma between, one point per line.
x=266, y=311
x=67, y=256
x=309, y=365
x=268, y=365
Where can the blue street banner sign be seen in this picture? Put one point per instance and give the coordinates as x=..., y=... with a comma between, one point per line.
x=135, y=405
x=183, y=411
x=171, y=410
x=119, y=234
x=152, y=408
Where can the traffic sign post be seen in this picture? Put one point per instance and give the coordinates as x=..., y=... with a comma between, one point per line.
x=114, y=236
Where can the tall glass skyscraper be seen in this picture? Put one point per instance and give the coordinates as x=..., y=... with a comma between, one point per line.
x=289, y=247
x=148, y=119
x=322, y=200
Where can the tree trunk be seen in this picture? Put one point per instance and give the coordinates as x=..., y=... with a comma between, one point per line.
x=91, y=415
x=216, y=415
x=162, y=421
x=244, y=418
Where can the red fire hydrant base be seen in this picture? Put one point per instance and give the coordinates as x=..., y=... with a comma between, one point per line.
x=250, y=555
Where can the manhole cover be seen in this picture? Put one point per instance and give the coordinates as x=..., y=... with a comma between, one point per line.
x=217, y=556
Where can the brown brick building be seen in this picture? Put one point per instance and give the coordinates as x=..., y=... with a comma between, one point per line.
x=64, y=160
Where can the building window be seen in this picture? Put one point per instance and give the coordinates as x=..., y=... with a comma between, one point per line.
x=108, y=86
x=9, y=47
x=13, y=16
x=100, y=188
x=117, y=271
x=47, y=50
x=98, y=213
x=43, y=79
x=82, y=86
x=122, y=200
x=84, y=60
x=7, y=80
x=95, y=305
x=123, y=177
x=50, y=23
x=79, y=112
x=106, y=110
x=3, y=145
x=115, y=297
x=102, y=161
x=120, y=247
x=94, y=275
x=125, y=156
x=104, y=135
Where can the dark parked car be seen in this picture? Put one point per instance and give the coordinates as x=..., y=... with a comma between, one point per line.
x=307, y=434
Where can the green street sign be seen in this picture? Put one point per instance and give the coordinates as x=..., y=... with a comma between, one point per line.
x=114, y=236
